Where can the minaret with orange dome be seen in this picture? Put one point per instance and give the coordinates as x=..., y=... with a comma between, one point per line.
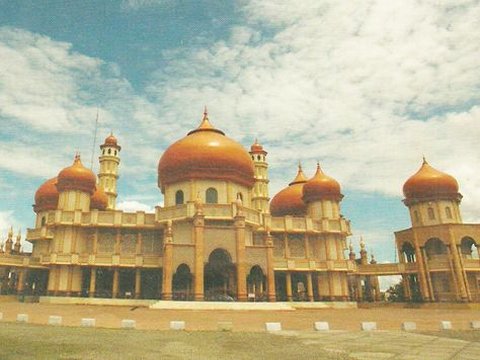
x=322, y=195
x=75, y=185
x=108, y=175
x=260, y=197
x=432, y=197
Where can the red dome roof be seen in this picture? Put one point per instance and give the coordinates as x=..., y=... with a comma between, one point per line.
x=205, y=153
x=46, y=197
x=289, y=200
x=99, y=199
x=110, y=141
x=321, y=187
x=76, y=177
x=256, y=148
x=429, y=183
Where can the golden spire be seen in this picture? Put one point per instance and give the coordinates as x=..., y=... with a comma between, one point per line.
x=300, y=178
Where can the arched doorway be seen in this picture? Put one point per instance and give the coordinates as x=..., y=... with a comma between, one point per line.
x=219, y=277
x=256, y=282
x=408, y=252
x=469, y=248
x=182, y=283
x=435, y=247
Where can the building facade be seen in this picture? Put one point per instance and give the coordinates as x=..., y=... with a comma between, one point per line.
x=219, y=237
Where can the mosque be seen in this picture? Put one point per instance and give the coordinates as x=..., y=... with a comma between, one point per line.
x=218, y=236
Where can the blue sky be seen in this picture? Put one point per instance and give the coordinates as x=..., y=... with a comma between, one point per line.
x=366, y=89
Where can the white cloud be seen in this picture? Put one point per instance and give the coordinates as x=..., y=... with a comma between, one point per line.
x=367, y=89
x=133, y=205
x=139, y=4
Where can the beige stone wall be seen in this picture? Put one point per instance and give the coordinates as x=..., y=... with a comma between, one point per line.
x=421, y=213
x=256, y=256
x=74, y=200
x=182, y=232
x=223, y=238
x=183, y=255
x=227, y=191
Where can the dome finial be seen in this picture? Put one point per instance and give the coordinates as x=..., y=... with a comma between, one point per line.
x=424, y=159
x=205, y=112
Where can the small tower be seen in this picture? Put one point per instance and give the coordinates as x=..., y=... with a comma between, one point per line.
x=260, y=196
x=351, y=254
x=17, y=245
x=75, y=185
x=9, y=242
x=323, y=196
x=108, y=175
x=363, y=252
x=432, y=197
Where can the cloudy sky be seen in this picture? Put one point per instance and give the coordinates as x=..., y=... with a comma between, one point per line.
x=365, y=88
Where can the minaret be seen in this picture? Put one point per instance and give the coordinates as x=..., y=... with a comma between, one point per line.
x=108, y=175
x=9, y=242
x=260, y=196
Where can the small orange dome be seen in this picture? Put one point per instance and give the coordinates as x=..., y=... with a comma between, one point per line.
x=256, y=148
x=289, y=200
x=99, y=199
x=110, y=141
x=321, y=187
x=76, y=177
x=430, y=183
x=205, y=153
x=46, y=197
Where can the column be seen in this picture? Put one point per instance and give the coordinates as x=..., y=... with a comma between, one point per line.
x=406, y=287
x=21, y=281
x=167, y=273
x=93, y=282
x=241, y=266
x=421, y=269
x=115, y=283
x=270, y=272
x=69, y=280
x=359, y=292
x=309, y=287
x=427, y=274
x=459, y=272
x=288, y=280
x=199, y=223
x=138, y=283
x=117, y=242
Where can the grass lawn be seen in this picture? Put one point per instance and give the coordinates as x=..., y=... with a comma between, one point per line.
x=21, y=341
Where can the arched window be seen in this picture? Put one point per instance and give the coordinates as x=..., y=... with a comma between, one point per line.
x=408, y=252
x=240, y=196
x=109, y=151
x=43, y=220
x=258, y=157
x=115, y=152
x=211, y=196
x=448, y=212
x=431, y=214
x=415, y=215
x=179, y=197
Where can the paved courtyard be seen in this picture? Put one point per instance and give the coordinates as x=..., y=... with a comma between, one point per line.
x=296, y=340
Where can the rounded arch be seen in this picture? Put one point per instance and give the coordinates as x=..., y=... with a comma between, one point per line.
x=256, y=284
x=220, y=276
x=179, y=197
x=469, y=247
x=182, y=283
x=435, y=247
x=408, y=252
x=211, y=196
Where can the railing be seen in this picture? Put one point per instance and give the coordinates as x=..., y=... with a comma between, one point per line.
x=39, y=233
x=471, y=264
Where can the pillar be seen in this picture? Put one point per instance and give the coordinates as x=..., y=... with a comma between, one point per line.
x=167, y=273
x=309, y=287
x=270, y=272
x=459, y=272
x=288, y=280
x=115, y=283
x=138, y=283
x=199, y=224
x=406, y=287
x=93, y=282
x=21, y=281
x=241, y=266
x=422, y=271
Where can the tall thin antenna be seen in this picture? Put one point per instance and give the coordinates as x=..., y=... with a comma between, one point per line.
x=94, y=141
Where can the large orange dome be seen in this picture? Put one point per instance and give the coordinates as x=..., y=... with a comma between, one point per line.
x=430, y=183
x=205, y=153
x=321, y=187
x=76, y=177
x=46, y=197
x=289, y=200
x=99, y=199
